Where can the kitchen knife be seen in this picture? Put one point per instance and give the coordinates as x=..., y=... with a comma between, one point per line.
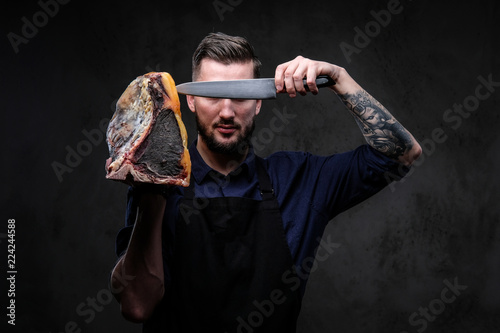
x=241, y=89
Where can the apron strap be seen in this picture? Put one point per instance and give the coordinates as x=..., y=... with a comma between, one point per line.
x=266, y=188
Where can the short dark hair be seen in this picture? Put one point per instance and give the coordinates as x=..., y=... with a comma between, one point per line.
x=225, y=49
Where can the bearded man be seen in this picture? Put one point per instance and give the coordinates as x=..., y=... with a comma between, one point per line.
x=231, y=252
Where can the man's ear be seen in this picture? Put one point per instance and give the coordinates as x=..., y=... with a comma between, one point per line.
x=258, y=106
x=190, y=101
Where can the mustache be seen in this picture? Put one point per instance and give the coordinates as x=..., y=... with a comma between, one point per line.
x=227, y=122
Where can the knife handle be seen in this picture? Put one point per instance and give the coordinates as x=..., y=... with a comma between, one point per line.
x=321, y=81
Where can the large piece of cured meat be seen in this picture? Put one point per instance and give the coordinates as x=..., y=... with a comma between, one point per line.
x=146, y=137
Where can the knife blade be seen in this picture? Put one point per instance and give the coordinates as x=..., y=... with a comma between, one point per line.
x=241, y=89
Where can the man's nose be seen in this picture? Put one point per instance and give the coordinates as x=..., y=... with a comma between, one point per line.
x=227, y=109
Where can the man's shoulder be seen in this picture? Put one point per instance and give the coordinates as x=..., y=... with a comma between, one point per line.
x=363, y=154
x=296, y=157
x=286, y=157
x=288, y=163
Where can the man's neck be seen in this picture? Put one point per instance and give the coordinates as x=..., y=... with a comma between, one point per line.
x=222, y=163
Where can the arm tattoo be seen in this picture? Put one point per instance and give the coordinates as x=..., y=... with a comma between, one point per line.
x=381, y=130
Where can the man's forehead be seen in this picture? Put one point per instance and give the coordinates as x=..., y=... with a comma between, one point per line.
x=214, y=70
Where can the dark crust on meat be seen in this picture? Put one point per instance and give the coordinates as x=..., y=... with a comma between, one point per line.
x=156, y=91
x=162, y=148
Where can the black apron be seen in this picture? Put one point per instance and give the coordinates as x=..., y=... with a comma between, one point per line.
x=232, y=269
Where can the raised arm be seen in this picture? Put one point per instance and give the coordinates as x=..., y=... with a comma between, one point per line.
x=381, y=130
x=142, y=262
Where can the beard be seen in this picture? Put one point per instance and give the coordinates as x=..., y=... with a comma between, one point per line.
x=239, y=146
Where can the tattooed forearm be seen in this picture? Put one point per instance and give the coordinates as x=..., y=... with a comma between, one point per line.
x=381, y=130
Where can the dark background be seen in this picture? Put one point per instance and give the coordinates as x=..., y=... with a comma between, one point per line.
x=396, y=249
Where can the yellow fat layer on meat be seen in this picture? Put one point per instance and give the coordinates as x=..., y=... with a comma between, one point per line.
x=171, y=90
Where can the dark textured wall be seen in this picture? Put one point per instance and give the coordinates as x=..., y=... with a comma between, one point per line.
x=396, y=254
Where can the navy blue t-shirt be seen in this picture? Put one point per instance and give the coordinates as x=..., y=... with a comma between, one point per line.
x=311, y=190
